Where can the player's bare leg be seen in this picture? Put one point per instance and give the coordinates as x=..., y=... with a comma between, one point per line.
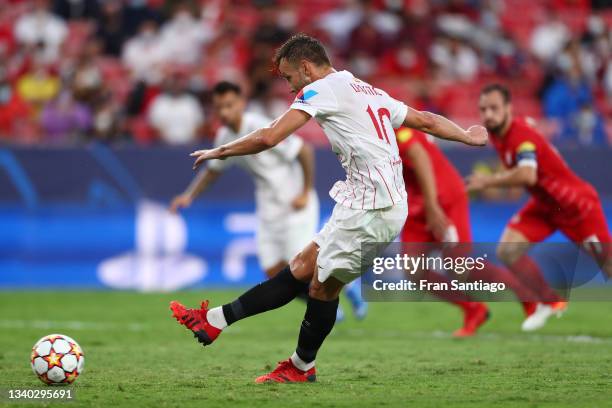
x=602, y=254
x=512, y=251
x=207, y=324
x=512, y=246
x=275, y=269
x=304, y=296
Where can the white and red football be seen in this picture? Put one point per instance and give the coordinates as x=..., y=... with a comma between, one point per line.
x=57, y=359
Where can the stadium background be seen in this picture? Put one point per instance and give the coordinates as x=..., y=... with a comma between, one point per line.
x=88, y=164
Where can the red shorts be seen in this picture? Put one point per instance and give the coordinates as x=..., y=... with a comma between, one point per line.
x=457, y=212
x=538, y=220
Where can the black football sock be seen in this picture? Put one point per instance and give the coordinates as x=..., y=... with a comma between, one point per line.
x=318, y=322
x=303, y=295
x=268, y=295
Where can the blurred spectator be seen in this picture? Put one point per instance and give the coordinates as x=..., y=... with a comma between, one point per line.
x=38, y=85
x=112, y=29
x=175, y=114
x=107, y=121
x=549, y=37
x=588, y=127
x=608, y=82
x=366, y=40
x=12, y=109
x=418, y=25
x=433, y=53
x=77, y=9
x=41, y=28
x=460, y=8
x=268, y=30
x=574, y=56
x=7, y=40
x=567, y=94
x=65, y=119
x=509, y=61
x=340, y=22
x=569, y=100
x=490, y=15
x=385, y=23
x=142, y=54
x=362, y=64
x=455, y=60
x=403, y=60
x=87, y=81
x=183, y=37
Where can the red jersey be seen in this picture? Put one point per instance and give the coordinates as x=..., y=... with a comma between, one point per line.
x=449, y=183
x=557, y=184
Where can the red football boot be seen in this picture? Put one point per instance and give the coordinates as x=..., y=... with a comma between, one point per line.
x=558, y=307
x=196, y=321
x=474, y=317
x=286, y=372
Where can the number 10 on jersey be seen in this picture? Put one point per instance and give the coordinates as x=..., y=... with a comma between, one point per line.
x=379, y=123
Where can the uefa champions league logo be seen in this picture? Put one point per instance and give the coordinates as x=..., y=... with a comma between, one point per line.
x=159, y=261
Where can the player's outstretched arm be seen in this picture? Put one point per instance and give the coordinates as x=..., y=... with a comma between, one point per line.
x=257, y=141
x=443, y=128
x=197, y=186
x=520, y=176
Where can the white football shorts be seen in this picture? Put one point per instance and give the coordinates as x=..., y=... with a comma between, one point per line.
x=282, y=239
x=341, y=237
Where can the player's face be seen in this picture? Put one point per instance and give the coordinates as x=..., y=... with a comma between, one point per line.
x=494, y=111
x=297, y=75
x=228, y=107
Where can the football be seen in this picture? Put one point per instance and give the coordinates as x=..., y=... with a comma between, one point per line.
x=57, y=359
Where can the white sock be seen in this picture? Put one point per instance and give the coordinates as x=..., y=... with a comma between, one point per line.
x=301, y=364
x=216, y=318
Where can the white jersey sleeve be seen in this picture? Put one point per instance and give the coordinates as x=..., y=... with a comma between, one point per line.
x=317, y=100
x=397, y=109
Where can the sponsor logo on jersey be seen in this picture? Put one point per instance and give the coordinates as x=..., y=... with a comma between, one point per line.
x=302, y=96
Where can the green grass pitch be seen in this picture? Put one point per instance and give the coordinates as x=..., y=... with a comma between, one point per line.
x=401, y=355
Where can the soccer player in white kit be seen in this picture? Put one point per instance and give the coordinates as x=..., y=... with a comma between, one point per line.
x=358, y=120
x=287, y=207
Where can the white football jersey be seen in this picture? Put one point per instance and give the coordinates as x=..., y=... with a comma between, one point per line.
x=359, y=121
x=277, y=173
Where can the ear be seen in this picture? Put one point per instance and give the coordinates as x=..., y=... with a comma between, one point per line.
x=306, y=68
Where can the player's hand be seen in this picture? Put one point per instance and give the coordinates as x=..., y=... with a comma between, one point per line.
x=476, y=136
x=203, y=155
x=476, y=182
x=437, y=222
x=300, y=201
x=180, y=201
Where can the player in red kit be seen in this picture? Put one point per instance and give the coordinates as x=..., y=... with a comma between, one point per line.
x=439, y=213
x=560, y=200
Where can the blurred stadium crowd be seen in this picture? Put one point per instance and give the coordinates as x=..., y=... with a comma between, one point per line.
x=140, y=71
